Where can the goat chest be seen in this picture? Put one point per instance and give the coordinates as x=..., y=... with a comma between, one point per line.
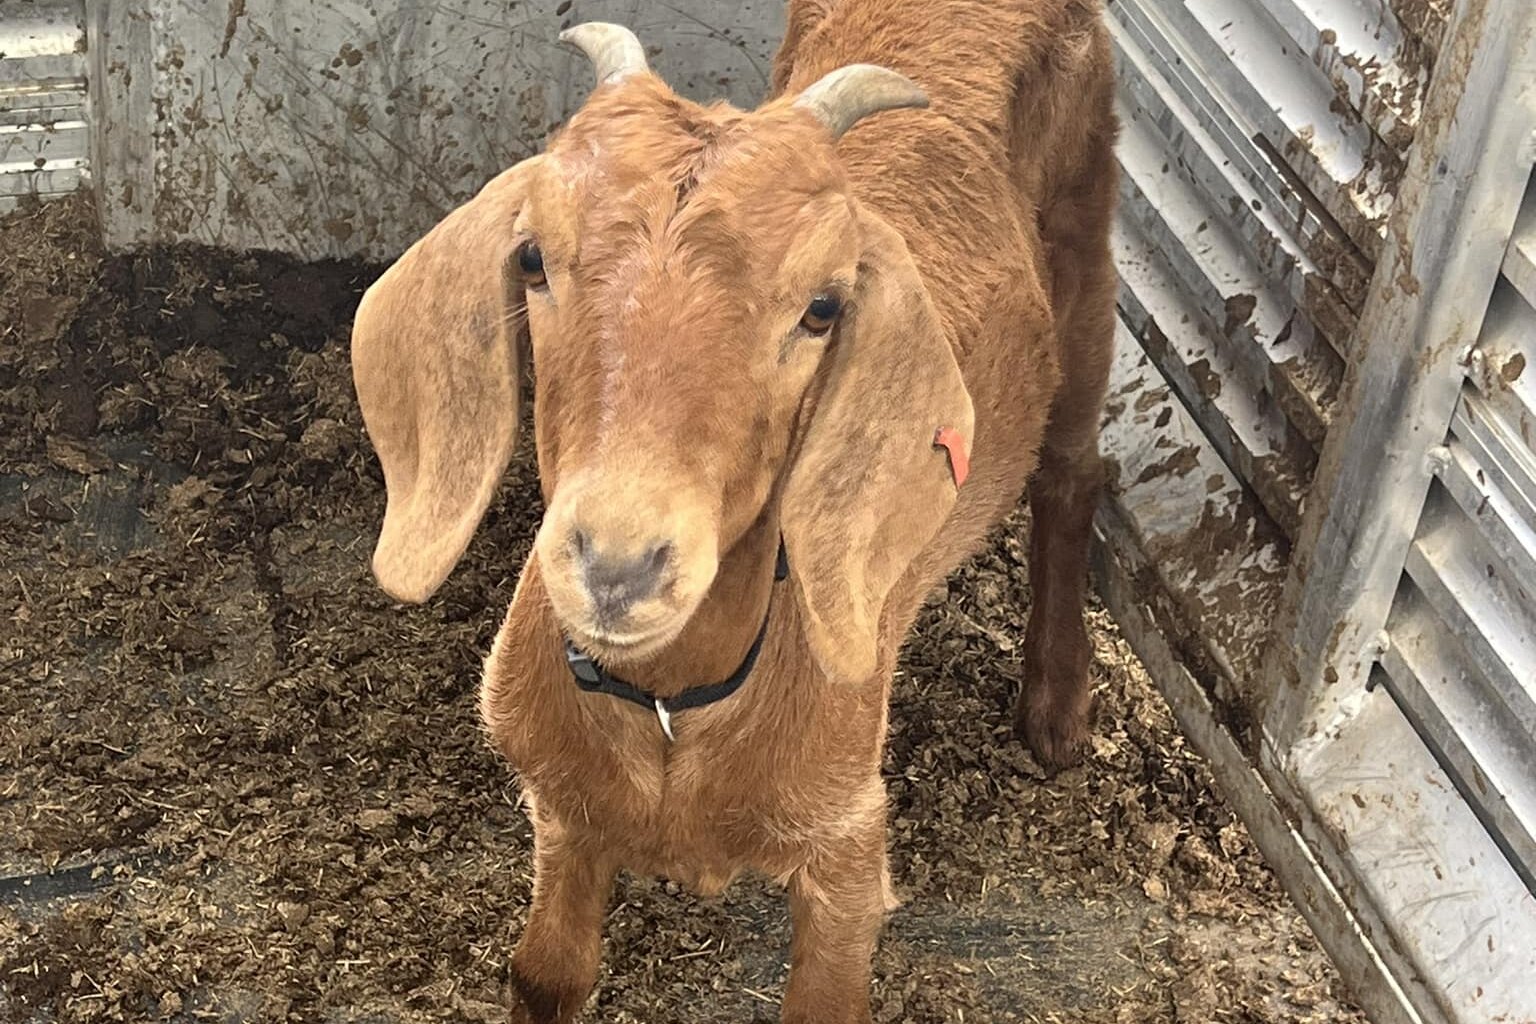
x=750, y=784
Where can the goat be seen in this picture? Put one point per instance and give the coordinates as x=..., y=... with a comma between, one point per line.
x=767, y=343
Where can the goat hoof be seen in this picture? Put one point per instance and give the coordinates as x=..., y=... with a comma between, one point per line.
x=519, y=1012
x=532, y=1004
x=1055, y=734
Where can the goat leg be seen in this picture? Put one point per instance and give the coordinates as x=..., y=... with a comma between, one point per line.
x=555, y=964
x=1054, y=709
x=838, y=901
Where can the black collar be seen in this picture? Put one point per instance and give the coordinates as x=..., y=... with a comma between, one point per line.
x=593, y=678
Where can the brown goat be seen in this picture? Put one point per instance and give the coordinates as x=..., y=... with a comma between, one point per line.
x=748, y=327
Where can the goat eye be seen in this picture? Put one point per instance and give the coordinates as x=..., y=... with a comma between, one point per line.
x=530, y=263
x=821, y=314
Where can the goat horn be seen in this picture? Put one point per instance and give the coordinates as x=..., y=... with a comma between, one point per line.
x=841, y=98
x=614, y=50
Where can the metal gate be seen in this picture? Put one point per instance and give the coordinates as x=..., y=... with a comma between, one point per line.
x=1321, y=534
x=1460, y=654
x=44, y=146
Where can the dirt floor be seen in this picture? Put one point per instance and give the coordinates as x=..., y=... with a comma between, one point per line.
x=238, y=784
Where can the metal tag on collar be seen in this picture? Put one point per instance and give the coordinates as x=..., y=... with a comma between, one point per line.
x=665, y=718
x=582, y=667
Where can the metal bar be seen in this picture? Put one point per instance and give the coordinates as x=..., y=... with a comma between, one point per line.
x=25, y=180
x=1520, y=261
x=42, y=104
x=41, y=28
x=26, y=144
x=1520, y=266
x=1456, y=208
x=120, y=50
x=53, y=70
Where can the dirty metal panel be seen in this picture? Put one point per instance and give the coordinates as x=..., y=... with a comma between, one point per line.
x=1261, y=149
x=1252, y=436
x=1414, y=851
x=1235, y=64
x=1461, y=658
x=1456, y=211
x=1266, y=144
x=1520, y=261
x=1191, y=568
x=1218, y=559
x=1179, y=100
x=1291, y=246
x=1373, y=63
x=44, y=142
x=348, y=129
x=1272, y=343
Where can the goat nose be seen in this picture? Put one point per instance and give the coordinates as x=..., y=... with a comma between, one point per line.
x=616, y=582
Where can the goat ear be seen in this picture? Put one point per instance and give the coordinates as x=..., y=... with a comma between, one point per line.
x=437, y=358
x=870, y=488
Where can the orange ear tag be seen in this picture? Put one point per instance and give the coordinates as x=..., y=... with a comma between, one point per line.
x=949, y=439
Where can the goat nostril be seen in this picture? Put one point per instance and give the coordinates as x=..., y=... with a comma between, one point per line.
x=579, y=543
x=660, y=557
x=616, y=583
